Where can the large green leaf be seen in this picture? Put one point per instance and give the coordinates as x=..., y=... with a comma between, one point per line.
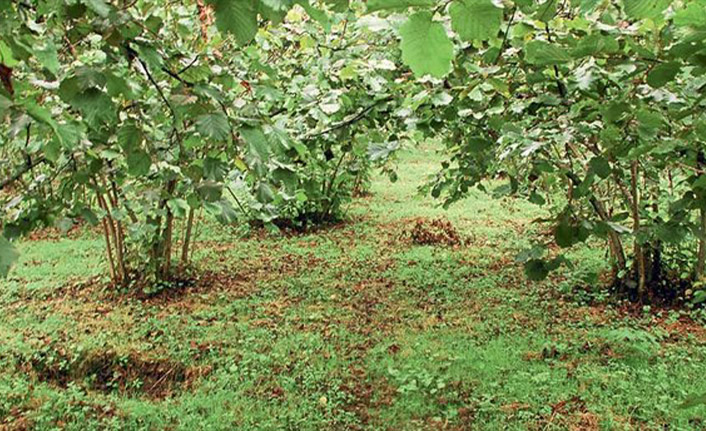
x=129, y=136
x=565, y=234
x=280, y=5
x=238, y=17
x=318, y=15
x=138, y=162
x=376, y=5
x=475, y=19
x=594, y=44
x=96, y=107
x=100, y=7
x=426, y=48
x=543, y=53
x=338, y=5
x=41, y=114
x=536, y=269
x=641, y=9
x=48, y=57
x=258, y=145
x=694, y=15
x=6, y=56
x=210, y=191
x=600, y=166
x=663, y=74
x=214, y=126
x=8, y=256
x=649, y=123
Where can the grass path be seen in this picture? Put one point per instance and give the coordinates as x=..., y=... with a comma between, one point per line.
x=351, y=328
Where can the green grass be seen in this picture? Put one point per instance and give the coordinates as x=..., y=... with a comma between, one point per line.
x=349, y=328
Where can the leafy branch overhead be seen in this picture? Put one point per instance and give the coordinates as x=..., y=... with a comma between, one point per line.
x=142, y=118
x=134, y=116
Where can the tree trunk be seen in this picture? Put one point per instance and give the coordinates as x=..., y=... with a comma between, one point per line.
x=108, y=243
x=701, y=257
x=109, y=252
x=187, y=239
x=614, y=243
x=640, y=264
x=167, y=241
x=701, y=254
x=120, y=236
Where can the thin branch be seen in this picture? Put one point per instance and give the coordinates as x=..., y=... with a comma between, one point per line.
x=28, y=166
x=188, y=66
x=345, y=123
x=146, y=69
x=505, y=36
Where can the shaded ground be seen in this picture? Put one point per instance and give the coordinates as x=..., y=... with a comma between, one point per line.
x=407, y=318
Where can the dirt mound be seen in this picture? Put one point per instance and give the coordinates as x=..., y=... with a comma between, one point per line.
x=434, y=232
x=134, y=374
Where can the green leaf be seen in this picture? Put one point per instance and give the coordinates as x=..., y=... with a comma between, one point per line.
x=100, y=7
x=223, y=211
x=536, y=269
x=475, y=19
x=214, y=126
x=318, y=15
x=595, y=44
x=642, y=9
x=537, y=199
x=238, y=17
x=264, y=193
x=287, y=177
x=96, y=107
x=40, y=114
x=376, y=5
x=542, y=53
x=138, y=162
x=48, y=57
x=5, y=104
x=546, y=11
x=6, y=56
x=477, y=144
x=588, y=6
x=278, y=5
x=129, y=137
x=663, y=74
x=700, y=297
x=8, y=256
x=69, y=135
x=338, y=5
x=214, y=169
x=700, y=129
x=699, y=183
x=618, y=228
x=600, y=166
x=694, y=15
x=613, y=112
x=179, y=207
x=210, y=191
x=118, y=86
x=426, y=48
x=565, y=234
x=258, y=146
x=228, y=214
x=649, y=123
x=82, y=79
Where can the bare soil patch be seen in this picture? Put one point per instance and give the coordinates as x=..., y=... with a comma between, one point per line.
x=106, y=371
x=434, y=232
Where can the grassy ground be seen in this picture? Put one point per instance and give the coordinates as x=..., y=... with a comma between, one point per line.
x=352, y=328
